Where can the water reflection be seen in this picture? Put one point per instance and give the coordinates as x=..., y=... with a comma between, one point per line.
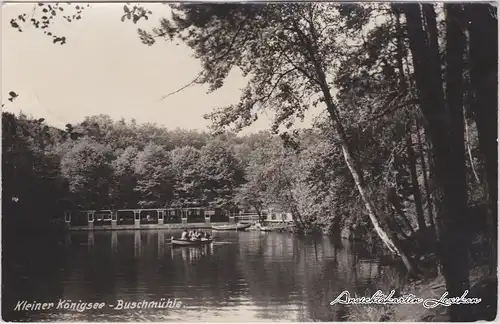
x=114, y=242
x=192, y=255
x=249, y=275
x=161, y=244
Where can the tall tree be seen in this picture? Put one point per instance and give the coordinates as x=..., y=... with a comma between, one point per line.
x=154, y=174
x=87, y=168
x=220, y=174
x=187, y=186
x=444, y=117
x=288, y=52
x=483, y=48
x=125, y=180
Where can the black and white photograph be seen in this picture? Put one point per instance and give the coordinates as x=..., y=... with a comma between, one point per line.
x=249, y=161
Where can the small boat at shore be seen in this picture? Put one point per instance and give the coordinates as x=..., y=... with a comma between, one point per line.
x=181, y=243
x=231, y=227
x=259, y=228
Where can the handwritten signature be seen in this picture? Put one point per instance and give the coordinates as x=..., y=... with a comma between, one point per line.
x=409, y=299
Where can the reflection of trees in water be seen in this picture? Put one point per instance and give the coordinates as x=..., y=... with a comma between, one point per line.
x=282, y=269
x=268, y=262
x=285, y=277
x=32, y=265
x=136, y=265
x=91, y=267
x=117, y=265
x=211, y=267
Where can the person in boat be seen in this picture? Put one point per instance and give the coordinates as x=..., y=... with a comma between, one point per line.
x=184, y=235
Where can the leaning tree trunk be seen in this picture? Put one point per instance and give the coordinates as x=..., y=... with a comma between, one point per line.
x=390, y=241
x=310, y=54
x=445, y=124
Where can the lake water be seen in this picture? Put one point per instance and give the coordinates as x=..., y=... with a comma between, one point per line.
x=242, y=276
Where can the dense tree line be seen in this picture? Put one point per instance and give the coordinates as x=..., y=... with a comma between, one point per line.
x=101, y=163
x=407, y=147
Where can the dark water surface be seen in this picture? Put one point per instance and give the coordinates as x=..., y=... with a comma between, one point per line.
x=243, y=276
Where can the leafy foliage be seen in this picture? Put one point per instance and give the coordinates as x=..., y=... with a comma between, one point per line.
x=153, y=171
x=86, y=167
x=43, y=16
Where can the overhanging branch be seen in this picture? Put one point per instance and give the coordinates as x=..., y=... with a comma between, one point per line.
x=228, y=50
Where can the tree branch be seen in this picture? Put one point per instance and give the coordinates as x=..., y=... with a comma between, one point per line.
x=228, y=50
x=265, y=98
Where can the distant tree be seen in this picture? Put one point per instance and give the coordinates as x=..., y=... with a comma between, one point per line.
x=87, y=169
x=220, y=174
x=249, y=196
x=153, y=170
x=187, y=185
x=181, y=138
x=125, y=179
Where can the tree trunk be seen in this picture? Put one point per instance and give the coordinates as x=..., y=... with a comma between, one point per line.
x=391, y=243
x=409, y=145
x=412, y=162
x=455, y=233
x=430, y=202
x=484, y=80
x=445, y=124
x=353, y=165
x=467, y=142
x=400, y=49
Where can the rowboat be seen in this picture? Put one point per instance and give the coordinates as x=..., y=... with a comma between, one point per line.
x=231, y=227
x=181, y=243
